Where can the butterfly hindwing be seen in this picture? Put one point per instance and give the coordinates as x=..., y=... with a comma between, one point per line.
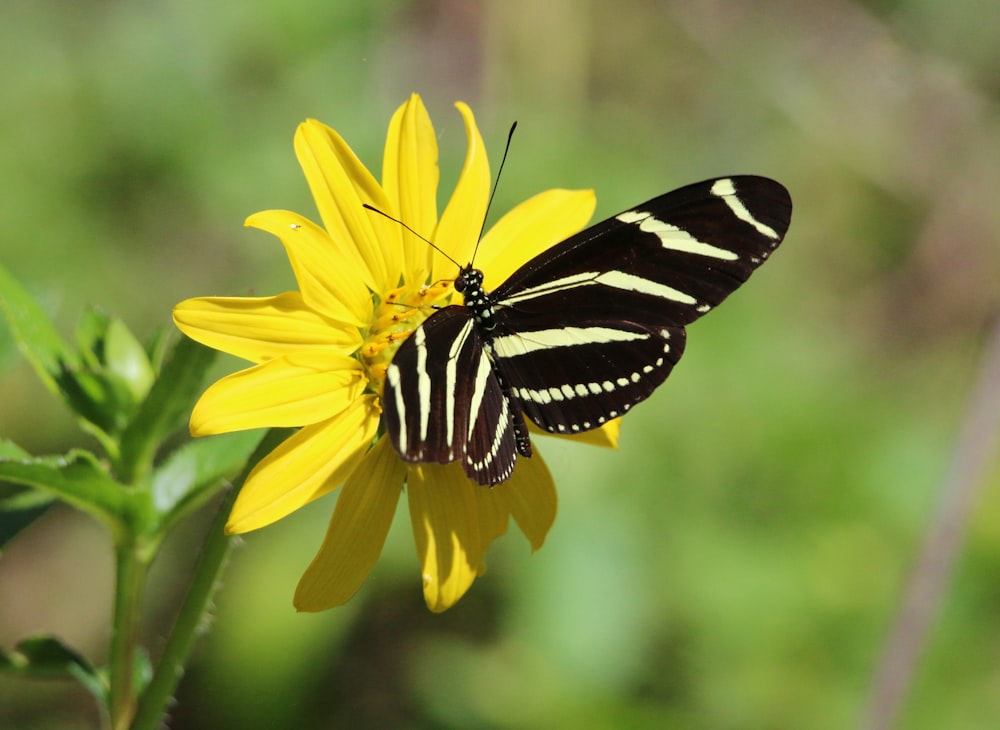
x=580, y=377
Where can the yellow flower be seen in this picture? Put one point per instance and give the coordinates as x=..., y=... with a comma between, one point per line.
x=320, y=356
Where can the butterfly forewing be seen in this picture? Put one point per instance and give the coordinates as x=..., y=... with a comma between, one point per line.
x=583, y=331
x=669, y=260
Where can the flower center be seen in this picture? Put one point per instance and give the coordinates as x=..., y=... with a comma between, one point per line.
x=399, y=313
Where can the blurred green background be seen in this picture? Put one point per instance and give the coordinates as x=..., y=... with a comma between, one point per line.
x=740, y=561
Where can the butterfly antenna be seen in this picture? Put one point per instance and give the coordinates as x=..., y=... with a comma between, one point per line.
x=496, y=182
x=422, y=238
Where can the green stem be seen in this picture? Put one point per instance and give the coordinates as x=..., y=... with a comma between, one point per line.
x=212, y=559
x=184, y=634
x=130, y=579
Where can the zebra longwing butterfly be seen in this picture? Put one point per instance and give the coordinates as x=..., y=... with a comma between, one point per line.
x=579, y=334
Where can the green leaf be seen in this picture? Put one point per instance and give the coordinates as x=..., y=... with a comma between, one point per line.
x=90, y=333
x=98, y=397
x=77, y=478
x=48, y=657
x=93, y=399
x=196, y=471
x=10, y=450
x=8, y=350
x=19, y=510
x=158, y=346
x=125, y=357
x=34, y=333
x=115, y=374
x=166, y=407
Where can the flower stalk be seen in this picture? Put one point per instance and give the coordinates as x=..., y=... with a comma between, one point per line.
x=131, y=569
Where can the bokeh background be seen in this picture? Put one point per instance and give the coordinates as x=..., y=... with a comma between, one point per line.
x=740, y=561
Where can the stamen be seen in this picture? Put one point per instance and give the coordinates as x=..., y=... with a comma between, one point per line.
x=425, y=294
x=392, y=296
x=391, y=317
x=396, y=316
x=381, y=340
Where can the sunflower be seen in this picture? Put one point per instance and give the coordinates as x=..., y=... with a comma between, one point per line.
x=320, y=355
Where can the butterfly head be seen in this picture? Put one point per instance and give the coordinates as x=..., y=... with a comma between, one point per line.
x=470, y=285
x=469, y=281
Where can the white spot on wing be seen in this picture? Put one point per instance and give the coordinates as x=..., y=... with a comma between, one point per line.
x=498, y=434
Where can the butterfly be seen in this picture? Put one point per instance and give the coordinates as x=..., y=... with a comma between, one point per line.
x=579, y=334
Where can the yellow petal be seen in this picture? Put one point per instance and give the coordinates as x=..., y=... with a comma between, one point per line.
x=534, y=226
x=291, y=391
x=410, y=180
x=494, y=515
x=606, y=435
x=460, y=224
x=445, y=517
x=305, y=466
x=365, y=508
x=325, y=269
x=340, y=184
x=530, y=495
x=259, y=329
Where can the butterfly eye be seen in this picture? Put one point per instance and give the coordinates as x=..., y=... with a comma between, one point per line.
x=460, y=283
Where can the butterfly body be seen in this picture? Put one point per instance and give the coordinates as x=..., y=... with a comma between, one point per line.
x=579, y=334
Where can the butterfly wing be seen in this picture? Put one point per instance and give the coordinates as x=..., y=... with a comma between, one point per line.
x=592, y=326
x=443, y=401
x=584, y=331
x=669, y=260
x=579, y=377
